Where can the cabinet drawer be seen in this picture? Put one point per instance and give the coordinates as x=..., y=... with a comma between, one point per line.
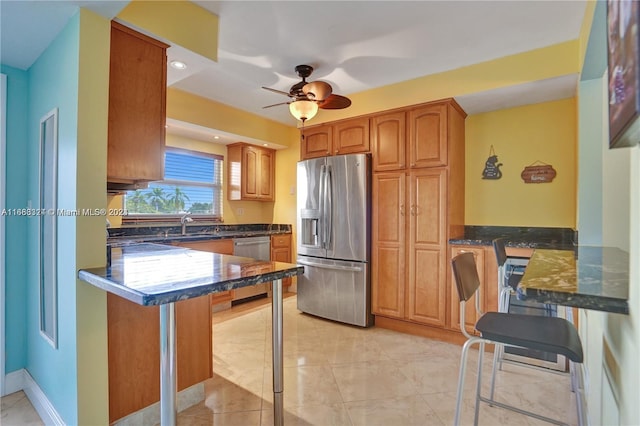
x=281, y=241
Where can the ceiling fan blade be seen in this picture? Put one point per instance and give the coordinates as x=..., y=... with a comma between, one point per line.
x=281, y=103
x=317, y=90
x=276, y=91
x=335, y=102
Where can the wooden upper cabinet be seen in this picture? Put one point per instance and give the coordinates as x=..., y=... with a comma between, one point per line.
x=351, y=136
x=428, y=138
x=388, y=141
x=316, y=142
x=250, y=173
x=137, y=107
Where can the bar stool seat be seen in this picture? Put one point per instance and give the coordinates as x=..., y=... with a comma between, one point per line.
x=555, y=335
x=549, y=334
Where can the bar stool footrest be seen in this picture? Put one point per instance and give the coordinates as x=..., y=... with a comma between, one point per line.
x=493, y=402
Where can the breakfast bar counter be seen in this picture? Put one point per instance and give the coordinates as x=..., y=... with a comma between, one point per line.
x=595, y=278
x=152, y=274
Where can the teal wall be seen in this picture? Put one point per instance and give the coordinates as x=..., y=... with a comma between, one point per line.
x=53, y=82
x=16, y=226
x=590, y=134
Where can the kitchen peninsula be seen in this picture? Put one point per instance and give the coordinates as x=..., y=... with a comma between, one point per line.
x=595, y=278
x=151, y=274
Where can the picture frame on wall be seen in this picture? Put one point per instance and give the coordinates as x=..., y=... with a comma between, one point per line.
x=624, y=76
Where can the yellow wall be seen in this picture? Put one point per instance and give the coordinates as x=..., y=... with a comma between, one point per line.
x=194, y=109
x=91, y=302
x=233, y=212
x=552, y=61
x=284, y=210
x=180, y=22
x=253, y=211
x=543, y=132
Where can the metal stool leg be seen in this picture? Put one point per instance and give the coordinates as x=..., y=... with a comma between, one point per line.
x=496, y=356
x=479, y=383
x=463, y=368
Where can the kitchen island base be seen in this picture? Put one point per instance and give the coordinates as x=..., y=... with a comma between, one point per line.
x=149, y=275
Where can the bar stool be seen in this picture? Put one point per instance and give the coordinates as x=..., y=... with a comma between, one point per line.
x=508, y=279
x=549, y=334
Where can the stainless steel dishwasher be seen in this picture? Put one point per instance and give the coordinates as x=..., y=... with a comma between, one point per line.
x=257, y=248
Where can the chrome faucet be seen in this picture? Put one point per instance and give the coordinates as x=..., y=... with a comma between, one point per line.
x=183, y=221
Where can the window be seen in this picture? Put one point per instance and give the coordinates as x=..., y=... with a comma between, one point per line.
x=192, y=184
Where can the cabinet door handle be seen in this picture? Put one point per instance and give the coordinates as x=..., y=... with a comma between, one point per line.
x=413, y=210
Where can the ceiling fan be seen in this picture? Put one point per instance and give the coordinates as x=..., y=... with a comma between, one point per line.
x=307, y=97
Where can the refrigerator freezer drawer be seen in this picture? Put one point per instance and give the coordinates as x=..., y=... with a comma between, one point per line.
x=336, y=290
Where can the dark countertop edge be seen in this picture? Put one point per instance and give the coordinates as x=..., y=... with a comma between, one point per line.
x=616, y=306
x=224, y=235
x=516, y=244
x=184, y=294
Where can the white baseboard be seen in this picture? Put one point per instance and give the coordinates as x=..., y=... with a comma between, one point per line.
x=14, y=382
x=21, y=380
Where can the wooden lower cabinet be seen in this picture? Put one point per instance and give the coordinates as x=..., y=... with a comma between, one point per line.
x=134, y=351
x=408, y=275
x=213, y=246
x=388, y=252
x=471, y=315
x=281, y=252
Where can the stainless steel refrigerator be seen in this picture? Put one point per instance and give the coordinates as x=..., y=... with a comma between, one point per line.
x=333, y=241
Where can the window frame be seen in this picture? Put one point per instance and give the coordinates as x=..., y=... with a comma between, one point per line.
x=175, y=217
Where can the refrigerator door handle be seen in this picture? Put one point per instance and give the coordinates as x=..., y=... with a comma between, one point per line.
x=334, y=267
x=321, y=206
x=328, y=208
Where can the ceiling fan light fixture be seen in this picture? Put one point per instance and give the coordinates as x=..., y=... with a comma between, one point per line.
x=303, y=110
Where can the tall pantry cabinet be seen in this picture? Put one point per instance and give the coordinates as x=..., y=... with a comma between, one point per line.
x=417, y=206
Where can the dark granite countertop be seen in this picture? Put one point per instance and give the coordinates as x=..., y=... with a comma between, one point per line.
x=590, y=278
x=528, y=237
x=155, y=274
x=169, y=234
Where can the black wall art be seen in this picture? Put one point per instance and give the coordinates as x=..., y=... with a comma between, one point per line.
x=491, y=166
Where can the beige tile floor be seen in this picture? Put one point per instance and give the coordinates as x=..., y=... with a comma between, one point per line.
x=341, y=375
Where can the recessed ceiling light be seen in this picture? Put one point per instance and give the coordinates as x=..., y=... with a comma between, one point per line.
x=265, y=144
x=216, y=137
x=179, y=65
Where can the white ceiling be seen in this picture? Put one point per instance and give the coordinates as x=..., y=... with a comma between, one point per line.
x=353, y=45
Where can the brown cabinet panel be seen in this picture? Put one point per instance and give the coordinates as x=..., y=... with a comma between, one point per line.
x=388, y=140
x=388, y=253
x=250, y=173
x=134, y=351
x=137, y=107
x=470, y=310
x=388, y=276
x=351, y=136
x=267, y=174
x=316, y=142
x=427, y=297
x=281, y=252
x=250, y=163
x=427, y=294
x=428, y=207
x=428, y=136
